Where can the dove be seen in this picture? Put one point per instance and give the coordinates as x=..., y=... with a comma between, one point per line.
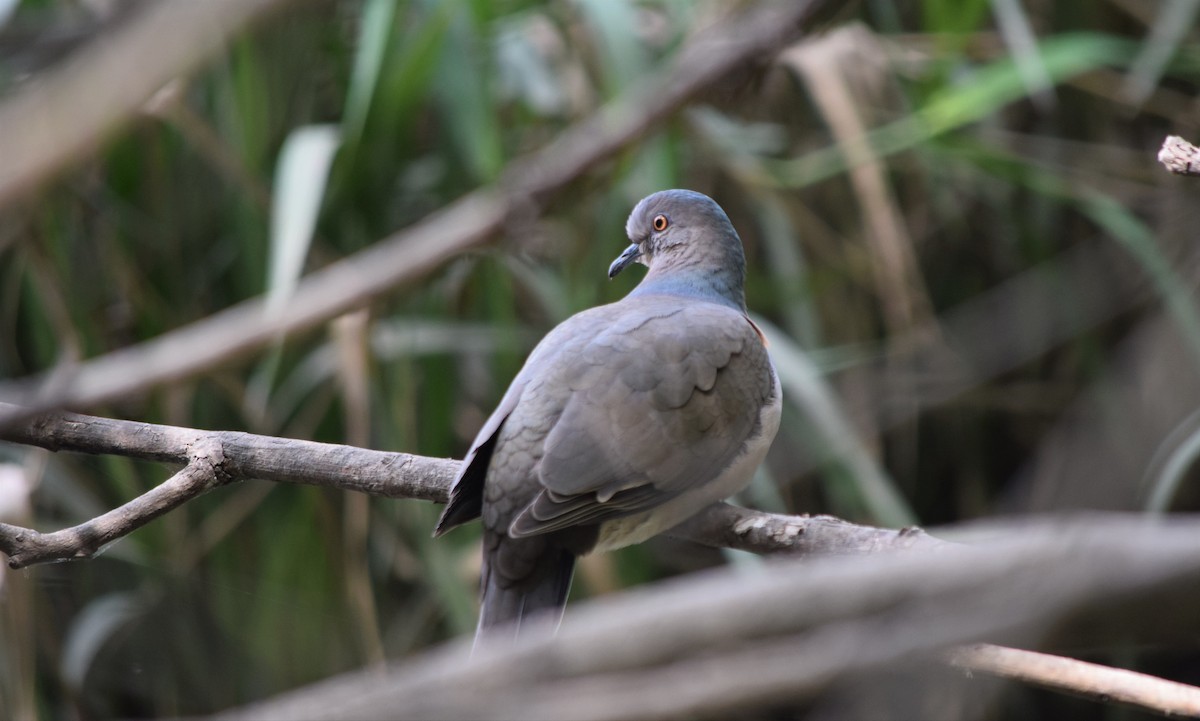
x=625, y=420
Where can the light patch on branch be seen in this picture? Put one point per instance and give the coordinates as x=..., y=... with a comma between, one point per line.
x=1179, y=156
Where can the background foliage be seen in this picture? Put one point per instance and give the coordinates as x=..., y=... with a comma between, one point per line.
x=997, y=290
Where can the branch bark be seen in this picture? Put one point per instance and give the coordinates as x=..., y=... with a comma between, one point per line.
x=724, y=526
x=203, y=472
x=724, y=642
x=1080, y=678
x=526, y=185
x=1179, y=156
x=213, y=458
x=242, y=456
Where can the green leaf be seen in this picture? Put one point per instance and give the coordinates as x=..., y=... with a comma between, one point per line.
x=375, y=31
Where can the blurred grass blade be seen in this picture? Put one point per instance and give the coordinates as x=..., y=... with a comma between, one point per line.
x=1165, y=476
x=525, y=70
x=408, y=76
x=1022, y=44
x=462, y=88
x=614, y=23
x=7, y=8
x=300, y=178
x=987, y=90
x=394, y=340
x=804, y=388
x=1000, y=83
x=831, y=68
x=1121, y=224
x=1174, y=20
x=956, y=19
x=1139, y=241
x=91, y=629
x=374, y=32
x=548, y=289
x=788, y=269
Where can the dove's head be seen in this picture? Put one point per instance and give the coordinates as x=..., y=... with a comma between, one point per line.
x=689, y=245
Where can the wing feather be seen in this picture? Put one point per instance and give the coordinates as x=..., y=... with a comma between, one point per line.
x=658, y=402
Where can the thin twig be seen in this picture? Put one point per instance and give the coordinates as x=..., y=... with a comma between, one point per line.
x=1090, y=680
x=25, y=547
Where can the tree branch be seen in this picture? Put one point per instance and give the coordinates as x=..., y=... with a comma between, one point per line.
x=1089, y=680
x=526, y=185
x=53, y=121
x=1179, y=156
x=715, y=643
x=214, y=458
x=204, y=471
x=725, y=526
x=393, y=475
x=246, y=455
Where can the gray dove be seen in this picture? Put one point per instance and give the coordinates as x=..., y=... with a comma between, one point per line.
x=626, y=419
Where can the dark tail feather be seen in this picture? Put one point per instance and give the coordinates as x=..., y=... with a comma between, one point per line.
x=540, y=595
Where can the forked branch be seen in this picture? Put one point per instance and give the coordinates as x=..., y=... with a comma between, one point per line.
x=213, y=458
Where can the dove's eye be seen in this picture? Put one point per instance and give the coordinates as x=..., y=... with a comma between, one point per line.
x=660, y=223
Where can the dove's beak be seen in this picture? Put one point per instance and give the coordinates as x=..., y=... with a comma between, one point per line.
x=629, y=255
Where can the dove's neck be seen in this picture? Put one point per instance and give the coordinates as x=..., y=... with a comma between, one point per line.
x=717, y=285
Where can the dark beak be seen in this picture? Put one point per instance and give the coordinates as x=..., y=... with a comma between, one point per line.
x=629, y=255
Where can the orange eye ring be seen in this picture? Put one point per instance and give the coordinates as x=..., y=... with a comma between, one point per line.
x=660, y=223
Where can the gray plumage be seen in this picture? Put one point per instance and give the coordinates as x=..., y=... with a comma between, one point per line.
x=626, y=419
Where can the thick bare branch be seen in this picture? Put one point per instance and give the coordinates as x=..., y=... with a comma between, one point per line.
x=393, y=475
x=56, y=119
x=467, y=223
x=1179, y=156
x=268, y=458
x=712, y=644
x=1090, y=680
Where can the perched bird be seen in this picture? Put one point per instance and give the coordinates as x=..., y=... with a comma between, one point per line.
x=626, y=419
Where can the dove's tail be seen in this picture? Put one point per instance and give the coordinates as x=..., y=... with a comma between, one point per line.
x=539, y=594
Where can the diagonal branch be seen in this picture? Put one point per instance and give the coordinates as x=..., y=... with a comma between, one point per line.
x=204, y=471
x=730, y=643
x=1090, y=680
x=526, y=185
x=58, y=118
